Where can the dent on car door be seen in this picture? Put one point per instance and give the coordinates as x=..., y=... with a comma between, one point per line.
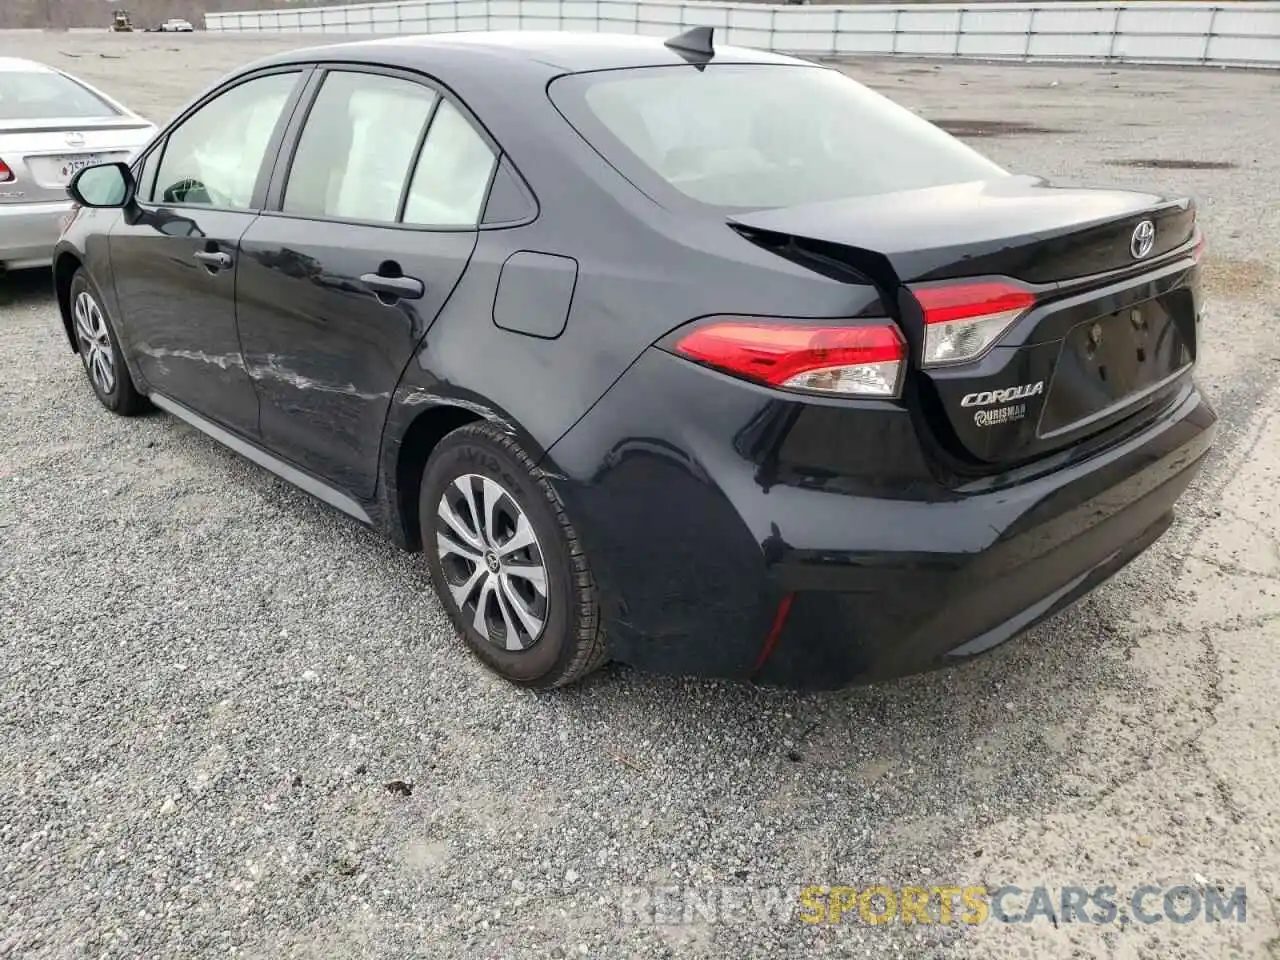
x=175, y=254
x=373, y=225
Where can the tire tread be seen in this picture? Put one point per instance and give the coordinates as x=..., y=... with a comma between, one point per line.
x=590, y=647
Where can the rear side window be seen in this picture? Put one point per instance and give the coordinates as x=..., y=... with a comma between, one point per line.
x=755, y=136
x=32, y=95
x=362, y=155
x=453, y=174
x=357, y=148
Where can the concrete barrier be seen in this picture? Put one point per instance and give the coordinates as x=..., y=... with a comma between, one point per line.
x=1245, y=34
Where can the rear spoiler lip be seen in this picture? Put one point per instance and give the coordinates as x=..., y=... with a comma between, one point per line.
x=93, y=126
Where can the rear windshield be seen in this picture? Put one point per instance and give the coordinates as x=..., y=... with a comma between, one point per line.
x=754, y=136
x=31, y=95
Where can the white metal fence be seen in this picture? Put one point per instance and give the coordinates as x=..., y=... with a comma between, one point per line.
x=1231, y=34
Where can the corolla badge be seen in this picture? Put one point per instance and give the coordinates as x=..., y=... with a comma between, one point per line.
x=987, y=398
x=1143, y=239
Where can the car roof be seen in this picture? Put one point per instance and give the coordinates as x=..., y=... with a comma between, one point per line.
x=17, y=65
x=535, y=52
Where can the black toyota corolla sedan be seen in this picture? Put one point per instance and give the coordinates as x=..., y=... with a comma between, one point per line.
x=701, y=359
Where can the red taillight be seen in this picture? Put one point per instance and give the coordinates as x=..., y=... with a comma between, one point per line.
x=1198, y=253
x=963, y=319
x=964, y=301
x=862, y=359
x=5, y=173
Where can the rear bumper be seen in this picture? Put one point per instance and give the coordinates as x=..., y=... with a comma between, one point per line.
x=898, y=615
x=697, y=547
x=28, y=232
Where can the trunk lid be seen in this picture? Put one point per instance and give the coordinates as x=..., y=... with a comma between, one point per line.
x=1019, y=227
x=1106, y=283
x=43, y=155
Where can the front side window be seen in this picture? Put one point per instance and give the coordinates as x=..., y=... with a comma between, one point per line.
x=44, y=95
x=213, y=158
x=357, y=148
x=755, y=136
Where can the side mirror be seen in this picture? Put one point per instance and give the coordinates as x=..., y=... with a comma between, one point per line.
x=109, y=185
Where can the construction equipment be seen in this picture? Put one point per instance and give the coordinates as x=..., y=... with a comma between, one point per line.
x=120, y=22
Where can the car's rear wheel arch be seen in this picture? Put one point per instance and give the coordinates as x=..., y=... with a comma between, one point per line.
x=421, y=437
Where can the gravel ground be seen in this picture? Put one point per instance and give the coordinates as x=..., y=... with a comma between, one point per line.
x=236, y=724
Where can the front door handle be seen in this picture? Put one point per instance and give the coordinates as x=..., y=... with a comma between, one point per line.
x=214, y=260
x=391, y=289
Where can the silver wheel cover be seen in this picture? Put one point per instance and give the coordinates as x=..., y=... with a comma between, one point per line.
x=95, y=343
x=492, y=562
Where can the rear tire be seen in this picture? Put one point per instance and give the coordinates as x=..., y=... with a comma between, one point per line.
x=506, y=562
x=99, y=350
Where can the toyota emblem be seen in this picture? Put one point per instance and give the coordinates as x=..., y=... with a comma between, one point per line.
x=75, y=139
x=1143, y=239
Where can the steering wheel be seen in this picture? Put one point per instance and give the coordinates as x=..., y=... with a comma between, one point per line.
x=187, y=190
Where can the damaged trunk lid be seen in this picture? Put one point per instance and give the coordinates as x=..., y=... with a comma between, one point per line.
x=1038, y=316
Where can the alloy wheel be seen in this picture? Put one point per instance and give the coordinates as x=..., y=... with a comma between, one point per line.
x=95, y=343
x=492, y=562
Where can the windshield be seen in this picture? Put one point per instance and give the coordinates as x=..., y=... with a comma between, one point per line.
x=753, y=136
x=38, y=95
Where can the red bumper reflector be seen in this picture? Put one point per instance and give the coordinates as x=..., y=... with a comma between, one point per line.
x=771, y=641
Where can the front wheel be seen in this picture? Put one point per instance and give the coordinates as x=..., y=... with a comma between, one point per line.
x=506, y=562
x=100, y=351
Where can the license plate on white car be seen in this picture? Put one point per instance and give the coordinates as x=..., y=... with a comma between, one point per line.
x=68, y=167
x=54, y=171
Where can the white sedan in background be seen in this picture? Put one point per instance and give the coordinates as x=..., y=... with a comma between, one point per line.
x=51, y=126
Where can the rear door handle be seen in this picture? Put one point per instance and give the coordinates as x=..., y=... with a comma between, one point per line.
x=394, y=288
x=214, y=260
